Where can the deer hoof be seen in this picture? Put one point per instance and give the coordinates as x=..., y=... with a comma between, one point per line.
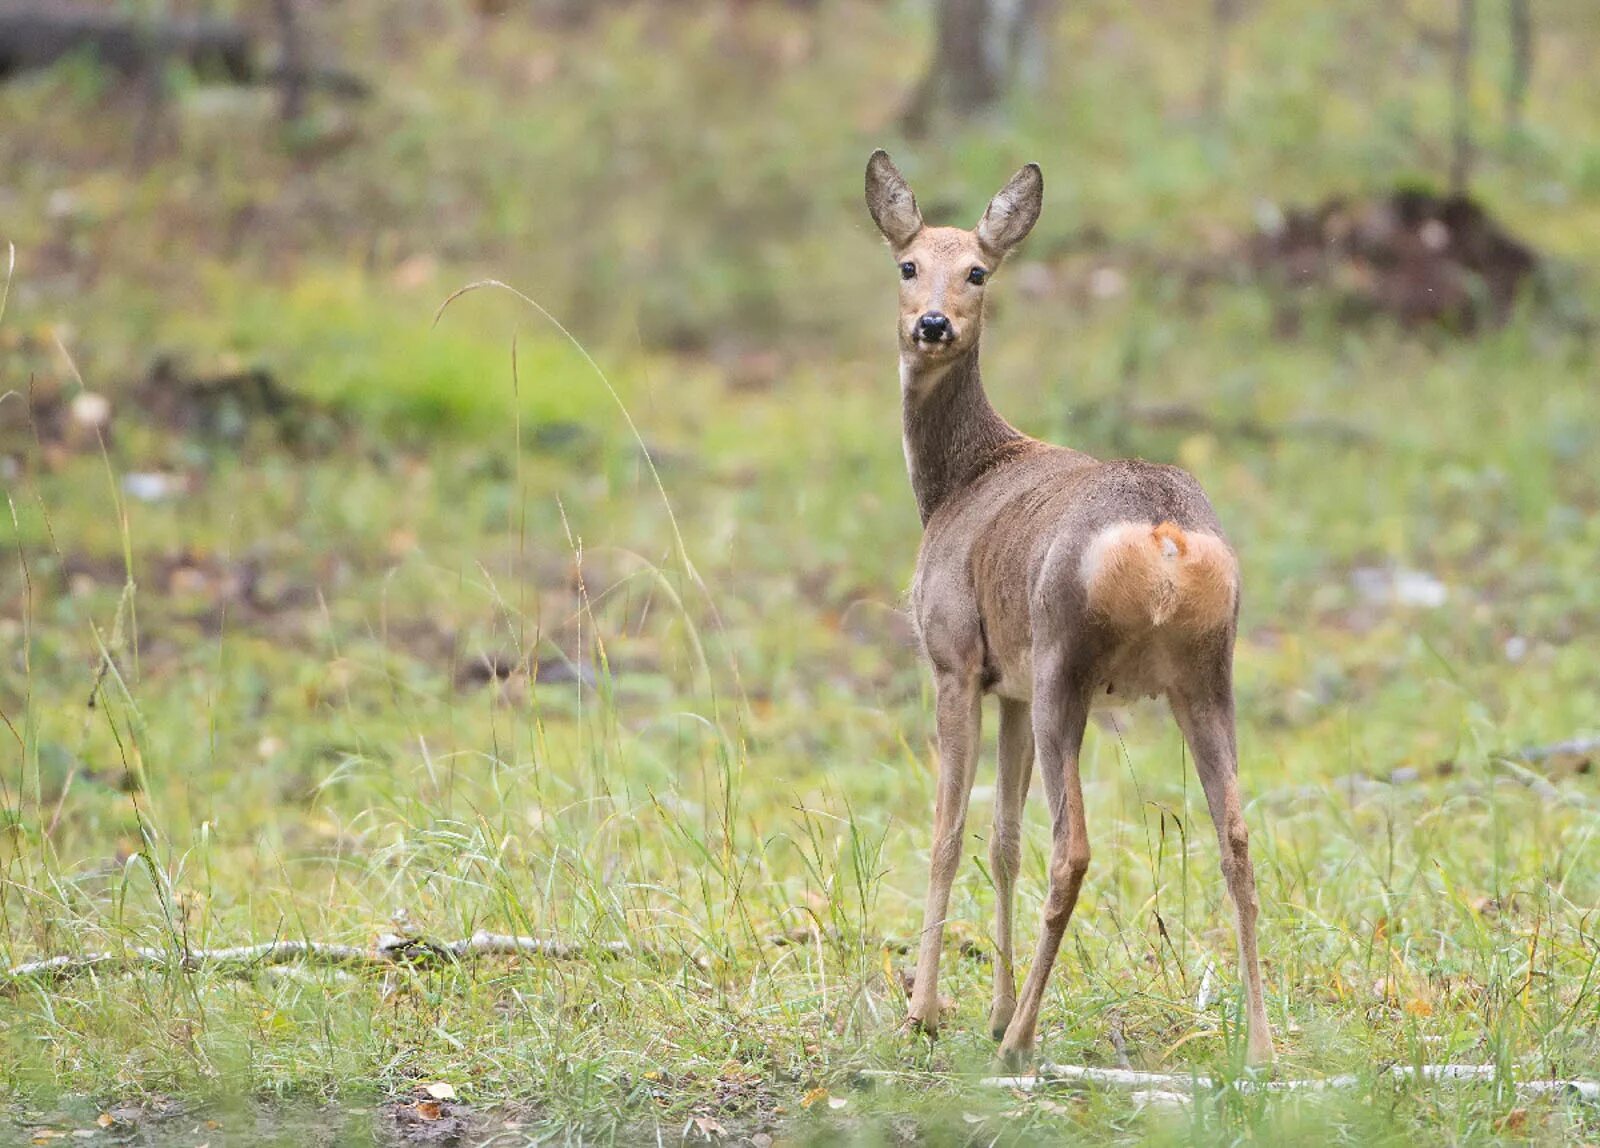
x=1016, y=1057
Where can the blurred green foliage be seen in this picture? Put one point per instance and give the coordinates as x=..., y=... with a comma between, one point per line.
x=334, y=679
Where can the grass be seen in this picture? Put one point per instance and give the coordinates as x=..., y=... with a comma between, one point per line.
x=289, y=738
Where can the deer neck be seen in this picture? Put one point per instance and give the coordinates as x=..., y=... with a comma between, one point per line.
x=952, y=434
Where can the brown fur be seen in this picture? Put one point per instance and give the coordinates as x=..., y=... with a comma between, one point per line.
x=1049, y=578
x=1171, y=531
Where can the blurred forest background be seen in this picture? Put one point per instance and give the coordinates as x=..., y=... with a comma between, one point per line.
x=320, y=618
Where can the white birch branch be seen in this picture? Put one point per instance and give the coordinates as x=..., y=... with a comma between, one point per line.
x=1172, y=1082
x=386, y=953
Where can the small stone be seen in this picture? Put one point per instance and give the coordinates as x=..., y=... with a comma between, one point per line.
x=1107, y=283
x=153, y=486
x=91, y=411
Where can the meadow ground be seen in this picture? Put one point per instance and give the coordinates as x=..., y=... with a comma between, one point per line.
x=361, y=624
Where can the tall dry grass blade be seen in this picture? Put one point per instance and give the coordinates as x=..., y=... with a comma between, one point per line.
x=11, y=269
x=633, y=429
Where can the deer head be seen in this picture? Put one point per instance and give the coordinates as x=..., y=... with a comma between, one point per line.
x=944, y=270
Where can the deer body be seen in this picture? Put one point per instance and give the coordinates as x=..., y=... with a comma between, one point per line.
x=1050, y=579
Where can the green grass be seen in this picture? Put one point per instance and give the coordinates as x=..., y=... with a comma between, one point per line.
x=305, y=755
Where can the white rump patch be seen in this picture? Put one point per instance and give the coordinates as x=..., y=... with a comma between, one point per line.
x=1094, y=554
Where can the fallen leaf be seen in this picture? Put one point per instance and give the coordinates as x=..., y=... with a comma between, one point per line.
x=105, y=1120
x=439, y=1090
x=1418, y=1007
x=429, y=1109
x=709, y=1126
x=815, y=1096
x=1514, y=1121
x=837, y=1101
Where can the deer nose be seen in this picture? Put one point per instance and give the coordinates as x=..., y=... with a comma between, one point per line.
x=934, y=327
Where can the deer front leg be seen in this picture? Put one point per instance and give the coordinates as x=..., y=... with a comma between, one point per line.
x=1005, y=851
x=958, y=715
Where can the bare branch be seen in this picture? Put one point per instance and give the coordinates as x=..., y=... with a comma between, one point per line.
x=1183, y=1085
x=1575, y=747
x=243, y=959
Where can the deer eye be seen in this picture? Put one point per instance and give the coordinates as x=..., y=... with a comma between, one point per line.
x=976, y=276
x=908, y=270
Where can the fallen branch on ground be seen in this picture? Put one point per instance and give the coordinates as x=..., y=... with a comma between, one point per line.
x=39, y=33
x=1576, y=747
x=1559, y=760
x=1185, y=1086
x=389, y=952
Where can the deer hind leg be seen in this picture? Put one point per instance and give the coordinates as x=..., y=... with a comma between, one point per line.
x=1005, y=851
x=1206, y=718
x=1060, y=712
x=958, y=703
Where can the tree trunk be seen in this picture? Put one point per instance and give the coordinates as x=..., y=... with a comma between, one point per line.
x=1521, y=74
x=292, y=61
x=966, y=66
x=1216, y=90
x=1461, y=89
x=983, y=49
x=1031, y=38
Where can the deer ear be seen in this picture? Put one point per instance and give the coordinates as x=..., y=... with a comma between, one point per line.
x=889, y=198
x=1013, y=212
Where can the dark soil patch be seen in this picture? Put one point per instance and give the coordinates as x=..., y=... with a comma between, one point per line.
x=426, y=1121
x=247, y=1121
x=228, y=405
x=742, y=1113
x=487, y=667
x=231, y=402
x=1422, y=259
x=204, y=588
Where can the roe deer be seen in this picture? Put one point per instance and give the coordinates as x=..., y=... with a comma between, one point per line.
x=1049, y=578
